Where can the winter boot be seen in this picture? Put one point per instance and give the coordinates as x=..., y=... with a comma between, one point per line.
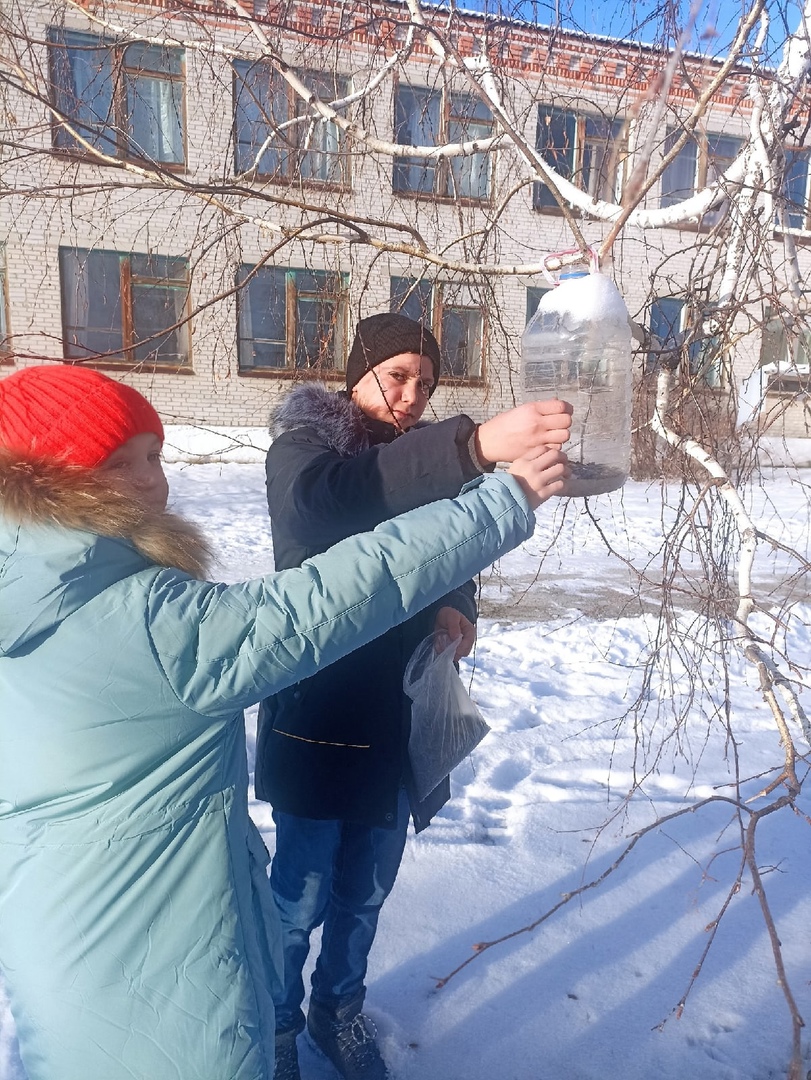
x=347, y=1037
x=286, y=1056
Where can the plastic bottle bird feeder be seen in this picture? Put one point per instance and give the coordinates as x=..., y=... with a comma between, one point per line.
x=577, y=347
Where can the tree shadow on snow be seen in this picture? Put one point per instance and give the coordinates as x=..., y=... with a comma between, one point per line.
x=583, y=996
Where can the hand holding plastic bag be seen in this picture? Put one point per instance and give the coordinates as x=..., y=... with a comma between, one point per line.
x=445, y=724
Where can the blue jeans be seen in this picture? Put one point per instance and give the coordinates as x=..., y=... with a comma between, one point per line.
x=336, y=873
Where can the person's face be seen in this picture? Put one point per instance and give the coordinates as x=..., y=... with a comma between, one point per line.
x=396, y=390
x=135, y=469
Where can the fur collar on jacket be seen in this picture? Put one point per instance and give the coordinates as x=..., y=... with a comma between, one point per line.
x=337, y=419
x=42, y=493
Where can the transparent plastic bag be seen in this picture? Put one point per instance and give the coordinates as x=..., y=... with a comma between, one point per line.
x=445, y=724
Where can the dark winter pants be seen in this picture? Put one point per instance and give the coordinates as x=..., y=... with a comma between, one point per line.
x=336, y=873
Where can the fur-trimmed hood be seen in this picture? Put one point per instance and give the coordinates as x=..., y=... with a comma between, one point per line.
x=336, y=418
x=42, y=493
x=65, y=534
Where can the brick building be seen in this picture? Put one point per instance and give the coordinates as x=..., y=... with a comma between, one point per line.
x=173, y=210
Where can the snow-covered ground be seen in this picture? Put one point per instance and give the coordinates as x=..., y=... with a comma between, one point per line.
x=540, y=809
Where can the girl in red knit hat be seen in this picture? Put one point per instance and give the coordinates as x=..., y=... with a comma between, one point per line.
x=138, y=935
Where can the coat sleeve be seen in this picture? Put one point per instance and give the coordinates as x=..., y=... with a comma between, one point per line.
x=329, y=496
x=224, y=647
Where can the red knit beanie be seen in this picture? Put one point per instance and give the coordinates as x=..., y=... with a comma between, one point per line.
x=71, y=414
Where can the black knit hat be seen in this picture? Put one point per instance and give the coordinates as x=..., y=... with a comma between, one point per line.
x=380, y=337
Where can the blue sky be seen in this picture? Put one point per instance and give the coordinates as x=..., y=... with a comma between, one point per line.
x=715, y=24
x=642, y=19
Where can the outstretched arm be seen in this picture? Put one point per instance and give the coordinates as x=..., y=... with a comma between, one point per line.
x=225, y=647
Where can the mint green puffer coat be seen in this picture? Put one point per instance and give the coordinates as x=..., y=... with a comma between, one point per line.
x=138, y=937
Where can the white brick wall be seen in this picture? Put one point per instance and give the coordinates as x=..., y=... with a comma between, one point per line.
x=107, y=212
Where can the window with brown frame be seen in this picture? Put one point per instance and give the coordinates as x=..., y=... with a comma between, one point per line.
x=126, y=101
x=291, y=320
x=461, y=334
x=414, y=298
x=125, y=308
x=796, y=204
x=685, y=330
x=704, y=158
x=276, y=134
x=455, y=316
x=586, y=149
x=785, y=353
x=425, y=117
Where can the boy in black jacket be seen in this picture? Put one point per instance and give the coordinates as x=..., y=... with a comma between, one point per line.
x=331, y=751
